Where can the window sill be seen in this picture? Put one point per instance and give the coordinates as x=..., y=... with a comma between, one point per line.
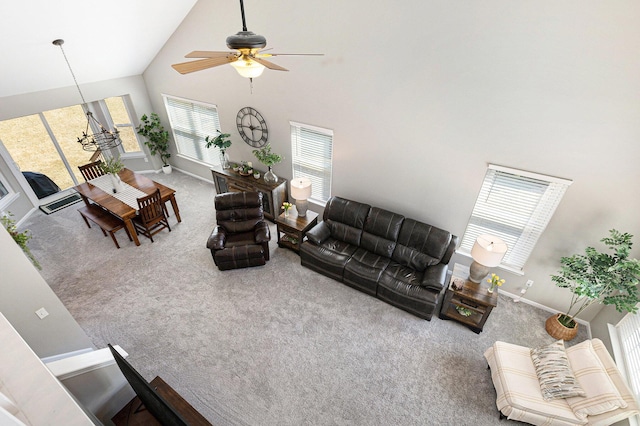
x=515, y=271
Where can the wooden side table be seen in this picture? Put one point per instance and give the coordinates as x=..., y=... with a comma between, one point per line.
x=472, y=296
x=292, y=229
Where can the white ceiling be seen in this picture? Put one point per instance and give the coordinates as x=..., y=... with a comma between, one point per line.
x=103, y=40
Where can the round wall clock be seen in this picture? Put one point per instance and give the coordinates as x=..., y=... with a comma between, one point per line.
x=252, y=127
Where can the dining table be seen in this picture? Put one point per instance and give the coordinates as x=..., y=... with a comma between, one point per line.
x=123, y=203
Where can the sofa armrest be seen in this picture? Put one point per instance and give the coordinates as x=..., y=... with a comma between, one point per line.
x=262, y=234
x=319, y=233
x=217, y=239
x=434, y=277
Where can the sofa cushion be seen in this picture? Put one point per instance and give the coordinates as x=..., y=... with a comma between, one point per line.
x=399, y=286
x=602, y=395
x=420, y=245
x=345, y=219
x=554, y=372
x=327, y=258
x=363, y=270
x=381, y=230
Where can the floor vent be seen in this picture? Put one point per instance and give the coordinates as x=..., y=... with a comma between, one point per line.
x=60, y=204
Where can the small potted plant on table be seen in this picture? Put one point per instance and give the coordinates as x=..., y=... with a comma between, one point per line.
x=222, y=142
x=268, y=158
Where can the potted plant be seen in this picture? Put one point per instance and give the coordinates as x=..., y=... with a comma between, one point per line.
x=607, y=278
x=157, y=138
x=20, y=238
x=222, y=142
x=112, y=166
x=268, y=158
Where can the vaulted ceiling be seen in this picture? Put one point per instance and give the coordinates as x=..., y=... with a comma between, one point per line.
x=103, y=40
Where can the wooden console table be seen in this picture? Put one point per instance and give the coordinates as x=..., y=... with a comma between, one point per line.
x=131, y=416
x=273, y=194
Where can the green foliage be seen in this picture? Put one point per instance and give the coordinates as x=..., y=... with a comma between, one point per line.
x=266, y=157
x=157, y=137
x=221, y=141
x=112, y=165
x=607, y=278
x=20, y=238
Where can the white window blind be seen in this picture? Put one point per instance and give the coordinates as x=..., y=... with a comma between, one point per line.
x=312, y=150
x=627, y=332
x=190, y=123
x=516, y=206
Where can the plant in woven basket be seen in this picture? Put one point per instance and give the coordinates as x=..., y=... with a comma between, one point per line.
x=607, y=278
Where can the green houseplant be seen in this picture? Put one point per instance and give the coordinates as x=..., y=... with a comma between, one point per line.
x=20, y=238
x=268, y=158
x=222, y=142
x=112, y=165
x=157, y=138
x=607, y=278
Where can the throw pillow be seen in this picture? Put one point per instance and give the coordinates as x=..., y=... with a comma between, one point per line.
x=554, y=372
x=602, y=395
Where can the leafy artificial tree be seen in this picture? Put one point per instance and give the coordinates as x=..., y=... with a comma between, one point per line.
x=157, y=136
x=607, y=278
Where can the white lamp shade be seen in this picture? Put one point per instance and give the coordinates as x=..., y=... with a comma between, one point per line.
x=248, y=69
x=488, y=250
x=301, y=188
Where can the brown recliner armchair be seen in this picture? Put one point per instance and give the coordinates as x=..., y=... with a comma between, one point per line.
x=241, y=238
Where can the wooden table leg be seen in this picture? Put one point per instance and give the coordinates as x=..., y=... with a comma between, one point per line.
x=132, y=231
x=174, y=204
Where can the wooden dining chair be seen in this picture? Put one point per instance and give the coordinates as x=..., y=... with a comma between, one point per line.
x=91, y=170
x=151, y=217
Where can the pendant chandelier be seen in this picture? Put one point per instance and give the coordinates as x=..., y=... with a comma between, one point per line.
x=96, y=137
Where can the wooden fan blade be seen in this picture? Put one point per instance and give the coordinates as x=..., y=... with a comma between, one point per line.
x=203, y=64
x=266, y=55
x=207, y=54
x=269, y=65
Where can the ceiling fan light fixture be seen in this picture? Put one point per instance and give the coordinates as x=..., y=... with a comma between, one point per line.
x=248, y=68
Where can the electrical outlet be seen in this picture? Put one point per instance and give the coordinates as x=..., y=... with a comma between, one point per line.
x=523, y=291
x=42, y=313
x=529, y=283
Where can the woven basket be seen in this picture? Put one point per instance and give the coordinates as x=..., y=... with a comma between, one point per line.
x=559, y=331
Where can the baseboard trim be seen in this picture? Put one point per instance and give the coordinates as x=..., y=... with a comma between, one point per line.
x=544, y=308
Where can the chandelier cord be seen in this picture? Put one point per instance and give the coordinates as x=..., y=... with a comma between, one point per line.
x=59, y=43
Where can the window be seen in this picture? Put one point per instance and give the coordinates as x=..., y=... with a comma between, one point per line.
x=625, y=340
x=191, y=122
x=311, y=157
x=119, y=108
x=516, y=206
x=6, y=194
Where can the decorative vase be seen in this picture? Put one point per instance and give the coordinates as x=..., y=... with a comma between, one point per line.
x=558, y=331
x=166, y=169
x=270, y=177
x=224, y=159
x=286, y=213
x=117, y=183
x=490, y=290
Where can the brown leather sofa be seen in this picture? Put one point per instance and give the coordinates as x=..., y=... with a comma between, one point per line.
x=241, y=238
x=396, y=259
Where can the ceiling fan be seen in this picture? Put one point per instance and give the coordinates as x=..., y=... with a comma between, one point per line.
x=247, y=61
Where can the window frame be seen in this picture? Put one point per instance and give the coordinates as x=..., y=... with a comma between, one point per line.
x=323, y=165
x=520, y=226
x=620, y=335
x=212, y=158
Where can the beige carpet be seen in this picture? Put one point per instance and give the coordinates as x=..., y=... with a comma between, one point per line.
x=272, y=345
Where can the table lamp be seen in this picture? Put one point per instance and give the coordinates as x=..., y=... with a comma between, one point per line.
x=301, y=191
x=487, y=252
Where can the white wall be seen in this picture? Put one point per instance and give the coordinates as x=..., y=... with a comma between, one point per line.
x=421, y=98
x=22, y=292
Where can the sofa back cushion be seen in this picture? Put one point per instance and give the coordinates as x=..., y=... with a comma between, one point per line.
x=420, y=245
x=381, y=230
x=345, y=219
